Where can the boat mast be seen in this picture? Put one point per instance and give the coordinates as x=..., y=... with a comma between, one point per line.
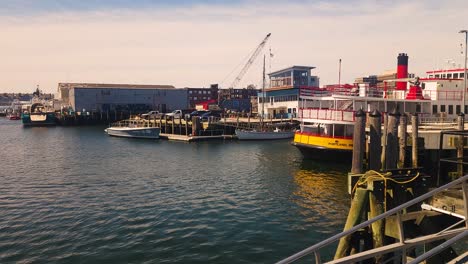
x=263, y=92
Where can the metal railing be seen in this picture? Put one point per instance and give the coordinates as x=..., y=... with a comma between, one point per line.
x=404, y=244
x=327, y=114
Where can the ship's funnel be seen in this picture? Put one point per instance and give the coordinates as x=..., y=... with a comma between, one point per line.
x=402, y=70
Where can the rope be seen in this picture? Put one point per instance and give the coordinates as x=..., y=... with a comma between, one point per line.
x=374, y=175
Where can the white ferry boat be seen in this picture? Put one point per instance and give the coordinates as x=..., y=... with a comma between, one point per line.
x=327, y=114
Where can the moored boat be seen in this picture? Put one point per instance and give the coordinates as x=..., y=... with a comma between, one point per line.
x=38, y=116
x=263, y=135
x=133, y=129
x=13, y=116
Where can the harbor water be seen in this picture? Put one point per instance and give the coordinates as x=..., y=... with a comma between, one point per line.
x=76, y=195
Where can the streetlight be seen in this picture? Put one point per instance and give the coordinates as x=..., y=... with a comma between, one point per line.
x=464, y=69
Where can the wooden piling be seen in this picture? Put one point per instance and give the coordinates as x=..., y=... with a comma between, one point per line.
x=180, y=125
x=160, y=122
x=376, y=208
x=375, y=135
x=414, y=139
x=186, y=127
x=461, y=144
x=172, y=124
x=384, y=140
x=358, y=205
x=359, y=142
x=402, y=141
x=391, y=149
x=195, y=125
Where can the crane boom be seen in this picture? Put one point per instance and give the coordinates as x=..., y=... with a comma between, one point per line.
x=250, y=61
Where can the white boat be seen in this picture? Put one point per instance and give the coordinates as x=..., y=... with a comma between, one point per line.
x=263, y=135
x=133, y=129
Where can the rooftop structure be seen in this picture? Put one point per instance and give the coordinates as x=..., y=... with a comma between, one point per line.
x=292, y=77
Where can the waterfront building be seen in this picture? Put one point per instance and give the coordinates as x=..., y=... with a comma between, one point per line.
x=237, y=100
x=282, y=97
x=198, y=96
x=122, y=97
x=443, y=88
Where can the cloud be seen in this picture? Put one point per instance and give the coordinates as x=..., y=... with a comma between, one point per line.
x=198, y=43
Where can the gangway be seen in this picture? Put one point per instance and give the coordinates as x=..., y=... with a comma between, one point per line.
x=454, y=233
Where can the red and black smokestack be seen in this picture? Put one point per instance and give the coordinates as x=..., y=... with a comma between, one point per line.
x=402, y=70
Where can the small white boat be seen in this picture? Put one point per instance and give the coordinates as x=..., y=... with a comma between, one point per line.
x=263, y=135
x=133, y=130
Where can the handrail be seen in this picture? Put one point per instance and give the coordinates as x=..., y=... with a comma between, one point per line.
x=393, y=211
x=439, y=248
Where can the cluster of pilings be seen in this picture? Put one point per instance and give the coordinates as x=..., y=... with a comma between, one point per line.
x=90, y=118
x=387, y=147
x=393, y=177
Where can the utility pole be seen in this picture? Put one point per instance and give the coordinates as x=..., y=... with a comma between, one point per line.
x=339, y=74
x=464, y=69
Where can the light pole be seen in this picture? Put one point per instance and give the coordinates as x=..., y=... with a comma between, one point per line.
x=464, y=69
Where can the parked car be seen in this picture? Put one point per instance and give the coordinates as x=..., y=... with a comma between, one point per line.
x=175, y=114
x=152, y=114
x=209, y=114
x=195, y=113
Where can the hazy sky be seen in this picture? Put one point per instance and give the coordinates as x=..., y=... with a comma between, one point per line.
x=195, y=43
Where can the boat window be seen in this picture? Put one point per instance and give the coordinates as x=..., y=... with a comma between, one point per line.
x=431, y=76
x=442, y=108
x=443, y=75
x=462, y=74
x=418, y=108
x=434, y=109
x=449, y=75
x=450, y=110
x=437, y=76
x=455, y=75
x=458, y=109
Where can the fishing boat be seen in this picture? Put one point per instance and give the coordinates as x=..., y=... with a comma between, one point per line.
x=133, y=129
x=39, y=115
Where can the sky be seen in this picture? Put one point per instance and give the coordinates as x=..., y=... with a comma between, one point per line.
x=189, y=43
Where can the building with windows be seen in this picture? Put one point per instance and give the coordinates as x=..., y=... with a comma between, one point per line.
x=237, y=100
x=282, y=97
x=445, y=89
x=134, y=98
x=197, y=96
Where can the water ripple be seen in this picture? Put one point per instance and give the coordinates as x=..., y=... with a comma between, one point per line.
x=74, y=195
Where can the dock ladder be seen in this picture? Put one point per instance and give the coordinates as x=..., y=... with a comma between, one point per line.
x=453, y=233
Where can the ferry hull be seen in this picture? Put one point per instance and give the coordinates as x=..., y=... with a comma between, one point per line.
x=138, y=132
x=323, y=148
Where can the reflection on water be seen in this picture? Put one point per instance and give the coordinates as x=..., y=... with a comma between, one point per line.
x=76, y=195
x=321, y=192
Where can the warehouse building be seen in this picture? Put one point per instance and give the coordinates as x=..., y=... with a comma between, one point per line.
x=122, y=97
